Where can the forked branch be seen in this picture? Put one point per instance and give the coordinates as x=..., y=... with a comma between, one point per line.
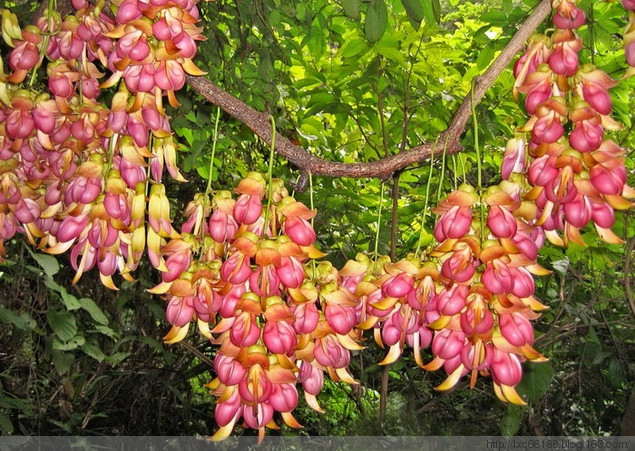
x=383, y=168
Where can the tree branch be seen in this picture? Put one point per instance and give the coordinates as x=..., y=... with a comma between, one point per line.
x=384, y=167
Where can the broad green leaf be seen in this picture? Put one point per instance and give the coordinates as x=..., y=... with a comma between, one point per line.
x=63, y=324
x=6, y=426
x=431, y=11
x=351, y=8
x=536, y=380
x=376, y=20
x=92, y=349
x=73, y=343
x=47, y=262
x=153, y=343
x=70, y=301
x=510, y=422
x=414, y=9
x=22, y=321
x=63, y=361
x=615, y=374
x=485, y=57
x=355, y=47
x=94, y=310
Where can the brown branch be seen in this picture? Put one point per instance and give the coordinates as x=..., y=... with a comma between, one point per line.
x=384, y=167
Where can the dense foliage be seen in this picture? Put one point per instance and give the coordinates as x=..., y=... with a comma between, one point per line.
x=86, y=139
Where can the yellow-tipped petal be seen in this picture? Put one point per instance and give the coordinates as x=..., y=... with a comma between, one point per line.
x=452, y=379
x=368, y=323
x=349, y=343
x=191, y=68
x=176, y=334
x=223, y=432
x=312, y=402
x=417, y=350
x=512, y=396
x=608, y=236
x=554, y=238
x=312, y=251
x=618, y=202
x=162, y=288
x=393, y=354
x=345, y=376
x=440, y=323
x=434, y=364
x=531, y=354
x=107, y=281
x=538, y=270
x=499, y=392
x=290, y=420
x=203, y=327
x=377, y=337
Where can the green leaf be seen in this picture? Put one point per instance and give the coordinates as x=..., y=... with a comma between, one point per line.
x=73, y=343
x=432, y=11
x=485, y=57
x=63, y=361
x=70, y=301
x=22, y=321
x=355, y=47
x=92, y=349
x=94, y=311
x=47, y=262
x=6, y=426
x=62, y=323
x=510, y=422
x=376, y=20
x=536, y=380
x=414, y=9
x=615, y=375
x=351, y=8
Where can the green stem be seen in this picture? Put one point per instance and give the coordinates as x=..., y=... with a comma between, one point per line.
x=381, y=204
x=210, y=173
x=478, y=163
x=454, y=172
x=313, y=263
x=425, y=204
x=476, y=145
x=270, y=172
x=445, y=148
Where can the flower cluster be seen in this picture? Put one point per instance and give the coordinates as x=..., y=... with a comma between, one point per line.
x=471, y=298
x=575, y=174
x=246, y=273
x=74, y=171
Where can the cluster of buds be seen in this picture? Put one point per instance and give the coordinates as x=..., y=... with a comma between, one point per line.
x=471, y=298
x=246, y=274
x=575, y=175
x=74, y=171
x=156, y=41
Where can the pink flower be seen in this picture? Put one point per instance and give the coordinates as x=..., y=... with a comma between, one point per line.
x=299, y=230
x=516, y=329
x=455, y=223
x=228, y=370
x=179, y=311
x=447, y=343
x=506, y=368
x=279, y=337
